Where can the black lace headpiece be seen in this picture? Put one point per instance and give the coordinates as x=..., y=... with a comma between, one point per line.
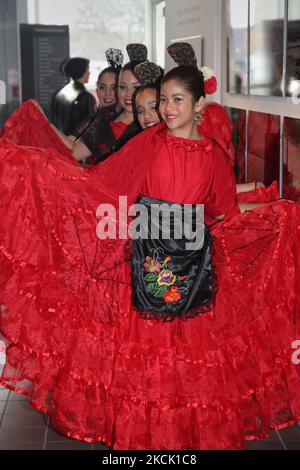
x=137, y=52
x=114, y=58
x=182, y=53
x=148, y=73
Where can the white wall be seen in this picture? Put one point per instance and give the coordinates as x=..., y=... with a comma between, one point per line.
x=186, y=18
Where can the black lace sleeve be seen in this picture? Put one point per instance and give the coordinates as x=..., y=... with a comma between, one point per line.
x=79, y=130
x=95, y=132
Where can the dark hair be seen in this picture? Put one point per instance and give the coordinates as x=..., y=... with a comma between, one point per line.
x=151, y=86
x=74, y=68
x=190, y=77
x=108, y=70
x=130, y=66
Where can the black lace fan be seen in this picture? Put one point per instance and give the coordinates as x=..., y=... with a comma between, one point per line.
x=182, y=53
x=137, y=52
x=148, y=73
x=114, y=58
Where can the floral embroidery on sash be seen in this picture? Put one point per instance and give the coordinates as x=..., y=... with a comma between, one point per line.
x=160, y=280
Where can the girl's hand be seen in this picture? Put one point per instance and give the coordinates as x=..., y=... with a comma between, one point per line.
x=246, y=187
x=259, y=184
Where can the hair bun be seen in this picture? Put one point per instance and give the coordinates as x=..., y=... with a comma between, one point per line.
x=148, y=73
x=75, y=67
x=62, y=66
x=137, y=52
x=182, y=53
x=114, y=58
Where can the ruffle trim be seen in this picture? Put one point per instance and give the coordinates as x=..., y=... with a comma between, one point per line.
x=44, y=410
x=106, y=441
x=281, y=359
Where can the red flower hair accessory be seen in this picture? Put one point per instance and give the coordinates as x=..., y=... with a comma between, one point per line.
x=210, y=81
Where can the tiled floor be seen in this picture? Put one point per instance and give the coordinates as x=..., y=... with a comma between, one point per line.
x=22, y=427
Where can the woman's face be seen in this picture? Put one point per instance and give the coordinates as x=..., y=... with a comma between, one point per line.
x=147, y=108
x=128, y=83
x=107, y=89
x=177, y=106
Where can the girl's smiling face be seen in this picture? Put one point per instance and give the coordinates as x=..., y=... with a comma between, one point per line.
x=128, y=83
x=177, y=107
x=147, y=108
x=107, y=89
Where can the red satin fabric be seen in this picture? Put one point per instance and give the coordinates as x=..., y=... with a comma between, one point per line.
x=28, y=126
x=260, y=195
x=84, y=356
x=180, y=172
x=118, y=128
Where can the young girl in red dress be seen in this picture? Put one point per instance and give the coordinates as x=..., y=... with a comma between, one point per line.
x=146, y=104
x=79, y=346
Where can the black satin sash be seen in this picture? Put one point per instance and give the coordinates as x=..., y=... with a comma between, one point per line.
x=169, y=281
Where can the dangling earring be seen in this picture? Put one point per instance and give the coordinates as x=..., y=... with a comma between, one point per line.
x=198, y=118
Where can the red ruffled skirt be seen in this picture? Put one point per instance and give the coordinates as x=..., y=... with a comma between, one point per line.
x=81, y=353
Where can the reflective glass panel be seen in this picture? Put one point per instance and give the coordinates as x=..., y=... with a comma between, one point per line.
x=237, y=46
x=291, y=175
x=293, y=50
x=263, y=147
x=238, y=117
x=266, y=47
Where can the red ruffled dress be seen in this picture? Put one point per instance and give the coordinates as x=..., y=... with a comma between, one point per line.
x=29, y=127
x=80, y=351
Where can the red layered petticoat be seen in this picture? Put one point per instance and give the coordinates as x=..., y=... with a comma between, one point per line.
x=81, y=353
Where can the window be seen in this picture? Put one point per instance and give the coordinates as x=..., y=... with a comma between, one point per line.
x=95, y=25
x=158, y=31
x=261, y=89
x=293, y=49
x=237, y=44
x=266, y=30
